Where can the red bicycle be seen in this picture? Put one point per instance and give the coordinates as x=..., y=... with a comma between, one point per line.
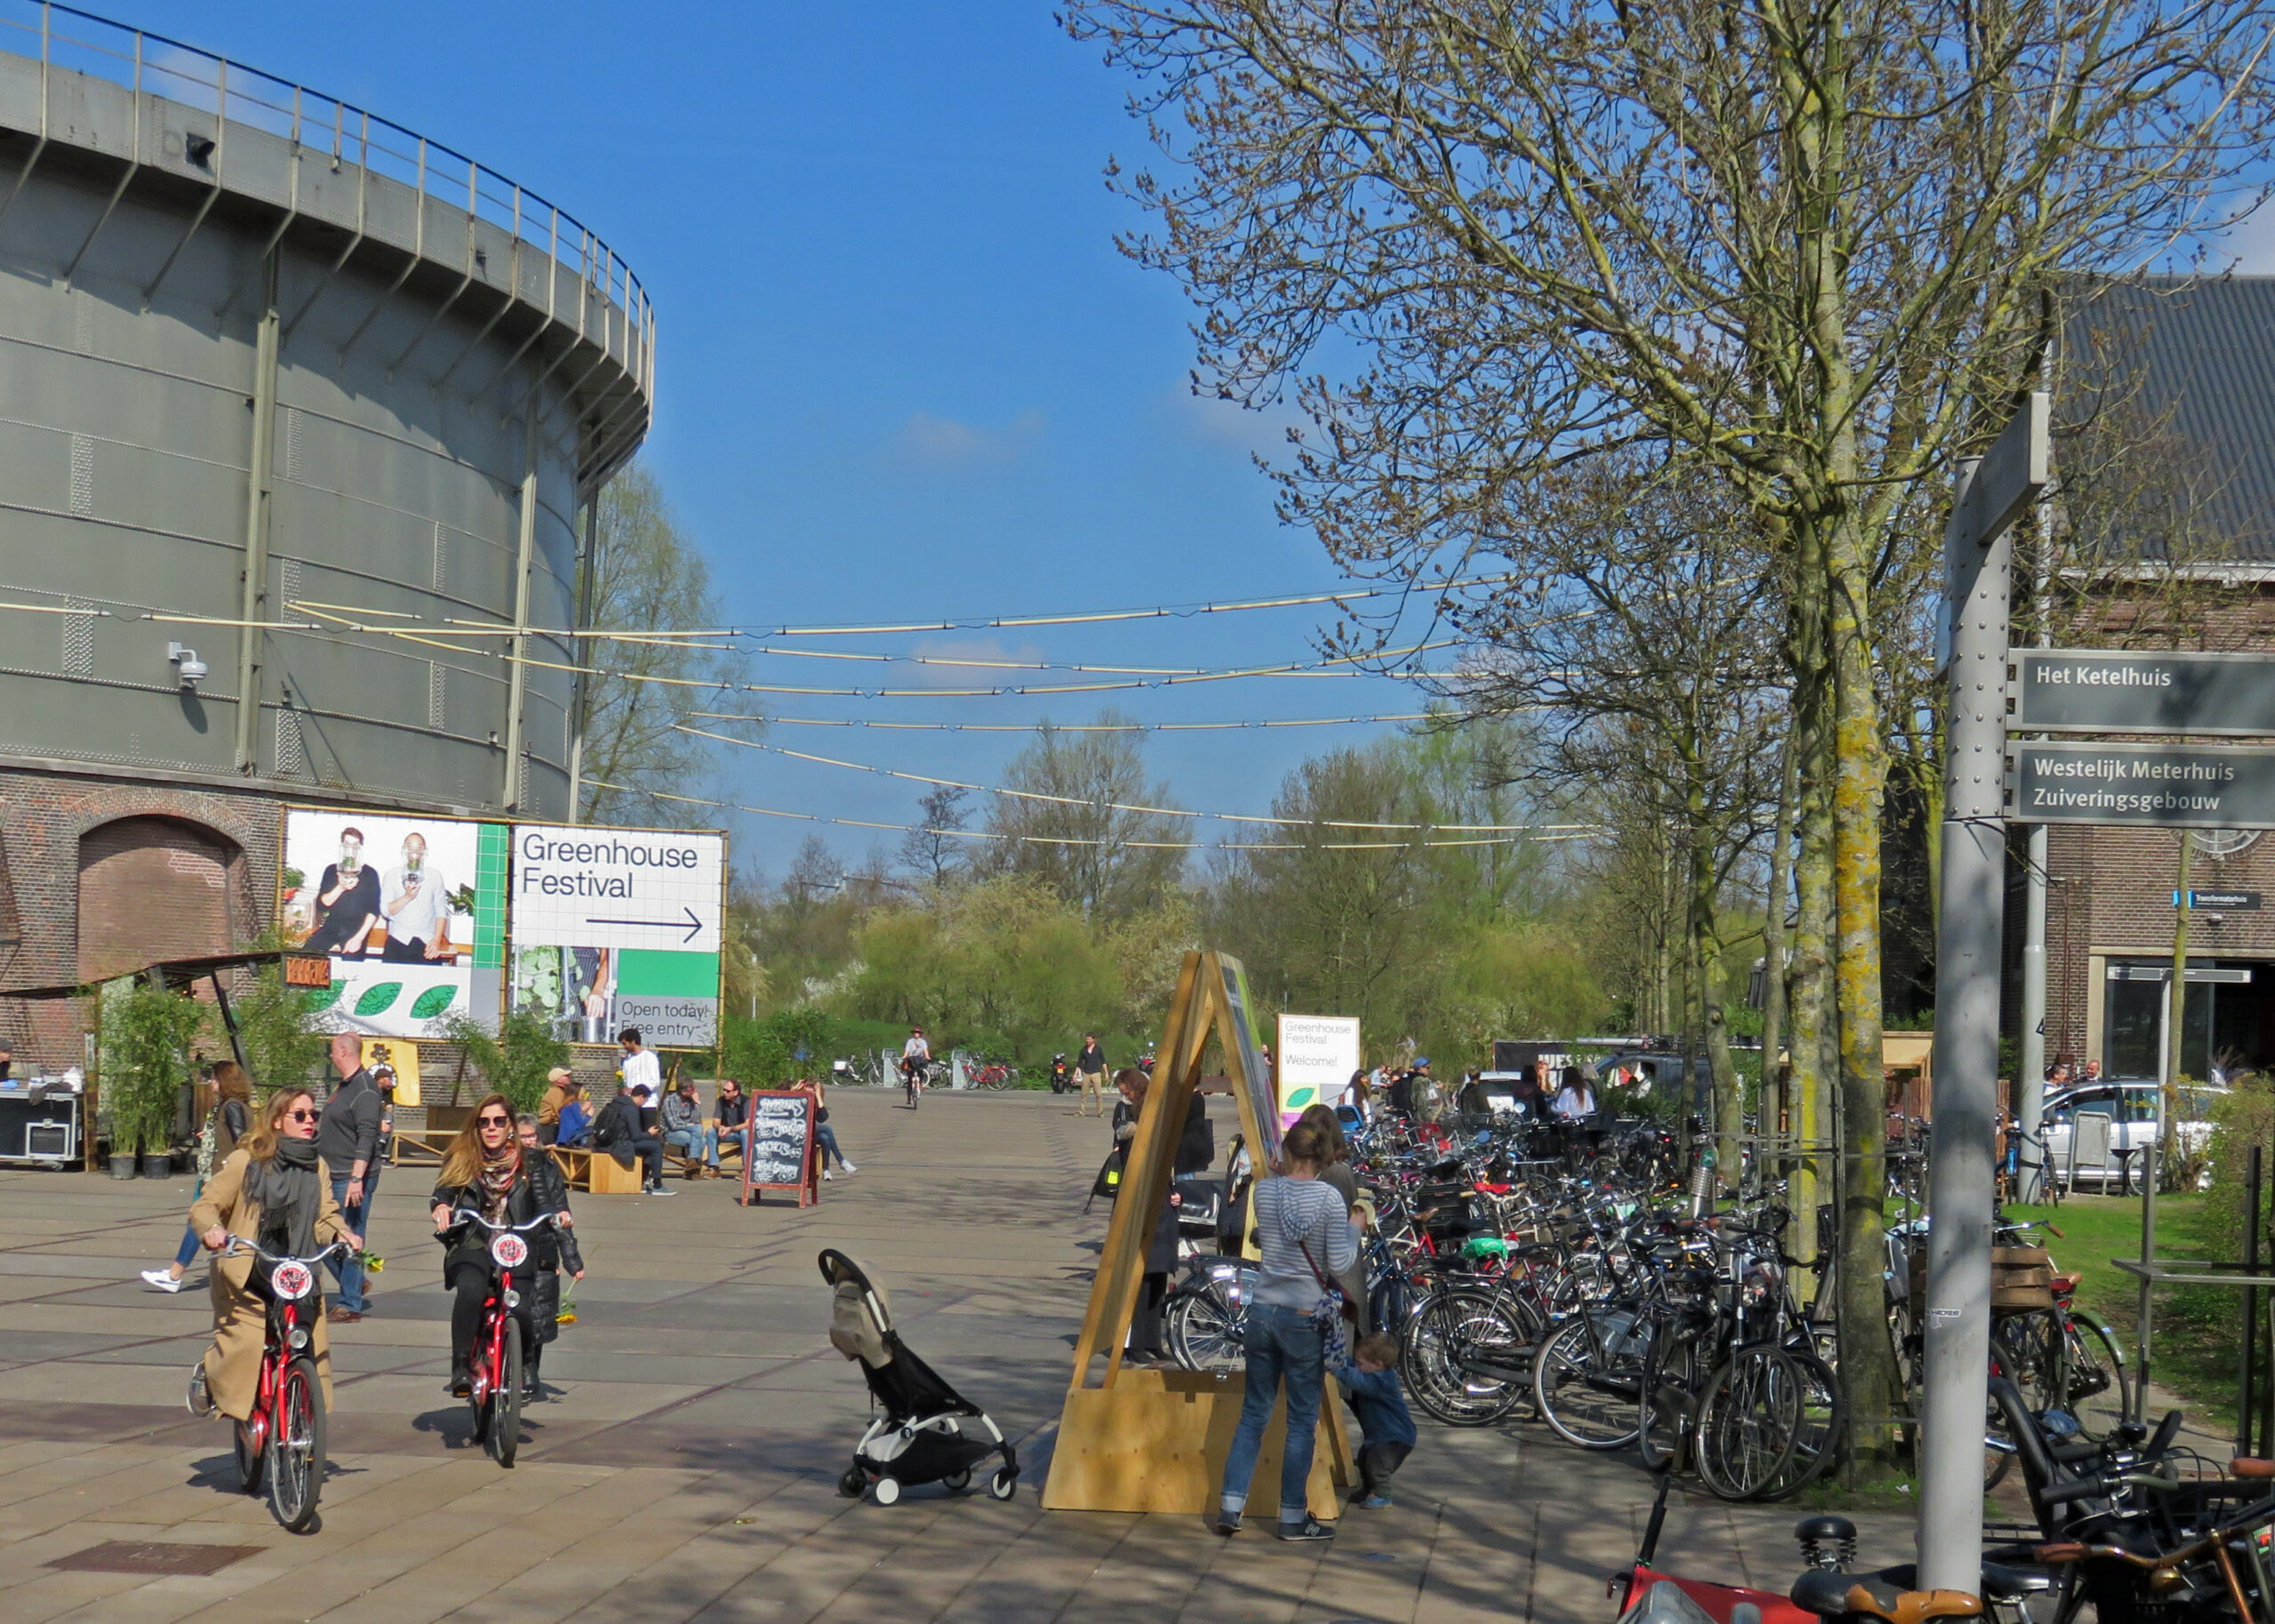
x=495, y=1366
x=281, y=1445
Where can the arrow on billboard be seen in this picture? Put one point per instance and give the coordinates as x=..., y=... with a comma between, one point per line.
x=694, y=925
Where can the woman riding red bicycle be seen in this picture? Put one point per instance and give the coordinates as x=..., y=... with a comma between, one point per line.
x=487, y=1171
x=269, y=1191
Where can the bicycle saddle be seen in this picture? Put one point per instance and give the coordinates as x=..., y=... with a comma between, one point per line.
x=1879, y=1596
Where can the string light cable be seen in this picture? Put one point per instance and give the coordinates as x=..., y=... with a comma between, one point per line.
x=1576, y=832
x=1118, y=805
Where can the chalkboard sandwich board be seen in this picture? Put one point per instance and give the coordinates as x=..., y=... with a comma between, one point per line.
x=779, y=1145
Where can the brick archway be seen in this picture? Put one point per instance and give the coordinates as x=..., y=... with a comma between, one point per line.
x=154, y=887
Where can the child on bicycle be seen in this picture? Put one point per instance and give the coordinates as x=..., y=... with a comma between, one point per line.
x=1370, y=1386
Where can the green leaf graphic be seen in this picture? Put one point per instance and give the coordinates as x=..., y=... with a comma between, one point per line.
x=378, y=997
x=432, y=1002
x=1300, y=1098
x=322, y=998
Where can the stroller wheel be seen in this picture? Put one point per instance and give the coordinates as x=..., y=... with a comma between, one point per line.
x=1004, y=1484
x=887, y=1491
x=853, y=1483
x=957, y=1483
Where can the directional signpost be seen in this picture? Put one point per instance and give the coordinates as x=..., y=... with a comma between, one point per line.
x=2144, y=786
x=1977, y=567
x=633, y=918
x=2094, y=690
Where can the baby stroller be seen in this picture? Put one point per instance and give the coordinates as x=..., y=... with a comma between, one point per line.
x=922, y=1436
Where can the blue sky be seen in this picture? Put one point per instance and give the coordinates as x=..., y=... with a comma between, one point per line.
x=903, y=372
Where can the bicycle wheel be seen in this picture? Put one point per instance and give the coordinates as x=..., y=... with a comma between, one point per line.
x=1748, y=1420
x=1585, y=1378
x=1462, y=1358
x=296, y=1446
x=1666, y=1398
x=2101, y=1389
x=1203, y=1334
x=1820, y=1427
x=505, y=1403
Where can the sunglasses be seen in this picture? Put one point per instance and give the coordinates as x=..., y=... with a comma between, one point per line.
x=300, y=1116
x=493, y=1121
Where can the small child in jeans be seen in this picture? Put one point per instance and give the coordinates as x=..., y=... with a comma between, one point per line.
x=1370, y=1384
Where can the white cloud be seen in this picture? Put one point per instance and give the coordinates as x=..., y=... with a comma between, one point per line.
x=926, y=442
x=1223, y=422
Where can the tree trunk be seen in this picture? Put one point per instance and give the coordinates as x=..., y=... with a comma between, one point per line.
x=1706, y=965
x=1777, y=1117
x=1812, y=1044
x=1868, y=1367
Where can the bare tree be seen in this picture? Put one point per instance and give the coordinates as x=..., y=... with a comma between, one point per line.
x=1072, y=820
x=1803, y=242
x=929, y=851
x=647, y=577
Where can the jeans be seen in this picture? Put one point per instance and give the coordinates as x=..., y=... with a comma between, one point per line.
x=1283, y=1343
x=1377, y=1462
x=351, y=1274
x=646, y=1149
x=826, y=1137
x=188, y=1249
x=692, y=1142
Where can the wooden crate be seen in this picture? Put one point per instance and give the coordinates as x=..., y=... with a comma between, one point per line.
x=610, y=1177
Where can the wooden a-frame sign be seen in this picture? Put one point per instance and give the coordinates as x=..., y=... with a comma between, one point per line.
x=1156, y=1440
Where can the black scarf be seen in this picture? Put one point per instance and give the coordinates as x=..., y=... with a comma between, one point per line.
x=286, y=1189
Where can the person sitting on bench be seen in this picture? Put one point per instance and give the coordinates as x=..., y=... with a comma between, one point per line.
x=683, y=1127
x=573, y=1127
x=618, y=1132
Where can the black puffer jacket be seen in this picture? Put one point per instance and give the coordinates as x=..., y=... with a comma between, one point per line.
x=540, y=1189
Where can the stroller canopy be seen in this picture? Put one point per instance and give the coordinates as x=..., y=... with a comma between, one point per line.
x=860, y=1318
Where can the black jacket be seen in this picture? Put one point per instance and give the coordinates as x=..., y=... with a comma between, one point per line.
x=540, y=1189
x=616, y=1129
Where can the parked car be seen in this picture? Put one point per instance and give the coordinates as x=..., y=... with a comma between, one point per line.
x=2132, y=1110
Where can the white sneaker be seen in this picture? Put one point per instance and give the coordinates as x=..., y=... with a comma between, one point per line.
x=849, y=1168
x=828, y=1176
x=163, y=1281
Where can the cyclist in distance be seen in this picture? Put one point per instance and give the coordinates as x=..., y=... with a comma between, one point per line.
x=916, y=1055
x=486, y=1171
x=271, y=1191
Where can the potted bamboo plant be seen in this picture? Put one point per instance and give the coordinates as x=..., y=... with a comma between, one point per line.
x=147, y=1033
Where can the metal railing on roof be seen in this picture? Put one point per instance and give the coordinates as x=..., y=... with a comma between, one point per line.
x=61, y=37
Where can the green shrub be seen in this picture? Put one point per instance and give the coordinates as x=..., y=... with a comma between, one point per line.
x=147, y=1034
x=515, y=1058
x=276, y=1024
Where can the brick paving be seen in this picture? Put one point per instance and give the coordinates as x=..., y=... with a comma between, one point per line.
x=686, y=1471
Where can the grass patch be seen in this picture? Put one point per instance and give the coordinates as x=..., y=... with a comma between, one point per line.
x=2198, y=1348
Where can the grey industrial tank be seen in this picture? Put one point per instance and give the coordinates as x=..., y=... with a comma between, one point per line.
x=274, y=373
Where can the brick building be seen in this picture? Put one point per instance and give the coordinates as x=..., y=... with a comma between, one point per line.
x=2199, y=364
x=288, y=395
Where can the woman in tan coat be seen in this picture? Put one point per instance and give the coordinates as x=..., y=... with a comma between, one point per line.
x=271, y=1190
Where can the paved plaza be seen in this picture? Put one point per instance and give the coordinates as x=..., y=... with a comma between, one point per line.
x=687, y=1467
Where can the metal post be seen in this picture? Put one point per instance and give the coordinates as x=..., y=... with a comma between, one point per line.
x=2168, y=1076
x=2030, y=1084
x=258, y=492
x=2246, y=1408
x=509, y=795
x=580, y=708
x=1961, y=1168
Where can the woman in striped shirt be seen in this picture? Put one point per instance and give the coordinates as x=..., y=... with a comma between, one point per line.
x=1306, y=1240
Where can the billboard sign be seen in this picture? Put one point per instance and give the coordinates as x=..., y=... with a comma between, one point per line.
x=405, y=909
x=1316, y=1056
x=618, y=928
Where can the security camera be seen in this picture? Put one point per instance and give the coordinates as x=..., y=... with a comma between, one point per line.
x=192, y=669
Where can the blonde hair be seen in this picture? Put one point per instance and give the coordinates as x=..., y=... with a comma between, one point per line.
x=462, y=1162
x=260, y=1142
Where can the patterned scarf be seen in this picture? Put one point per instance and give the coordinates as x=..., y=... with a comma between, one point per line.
x=500, y=1170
